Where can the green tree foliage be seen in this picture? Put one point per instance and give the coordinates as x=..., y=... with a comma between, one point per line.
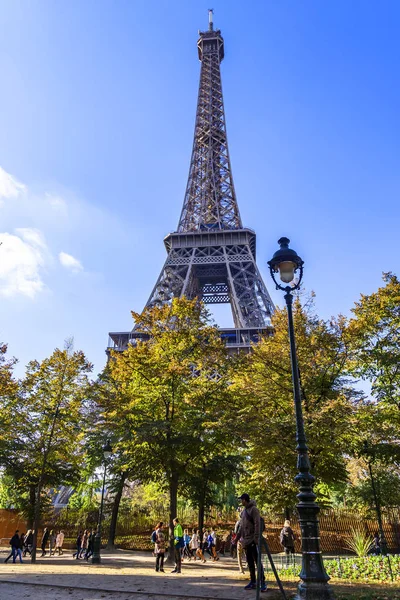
x=267, y=412
x=375, y=337
x=164, y=397
x=45, y=447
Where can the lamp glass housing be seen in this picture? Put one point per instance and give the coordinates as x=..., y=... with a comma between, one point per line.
x=287, y=269
x=107, y=450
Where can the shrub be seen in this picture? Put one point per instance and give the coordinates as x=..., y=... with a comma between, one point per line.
x=359, y=542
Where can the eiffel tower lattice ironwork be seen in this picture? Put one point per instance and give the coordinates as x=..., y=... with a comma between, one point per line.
x=212, y=256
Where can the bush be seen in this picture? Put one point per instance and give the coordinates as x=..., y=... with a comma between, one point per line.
x=368, y=568
x=359, y=542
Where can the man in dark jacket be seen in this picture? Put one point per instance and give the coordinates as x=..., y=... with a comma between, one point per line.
x=45, y=538
x=14, y=543
x=248, y=533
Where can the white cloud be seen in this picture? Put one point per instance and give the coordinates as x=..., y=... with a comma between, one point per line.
x=9, y=186
x=22, y=258
x=70, y=262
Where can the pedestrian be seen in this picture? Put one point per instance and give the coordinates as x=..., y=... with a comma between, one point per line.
x=186, y=549
x=287, y=539
x=233, y=548
x=28, y=542
x=84, y=543
x=14, y=543
x=204, y=543
x=212, y=545
x=52, y=541
x=248, y=533
x=78, y=546
x=178, y=545
x=45, y=538
x=159, y=547
x=90, y=544
x=195, y=546
x=376, y=547
x=59, y=542
x=225, y=543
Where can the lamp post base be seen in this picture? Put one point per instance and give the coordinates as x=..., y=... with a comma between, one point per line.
x=96, y=558
x=314, y=591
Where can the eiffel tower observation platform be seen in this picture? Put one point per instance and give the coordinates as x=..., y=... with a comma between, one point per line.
x=211, y=255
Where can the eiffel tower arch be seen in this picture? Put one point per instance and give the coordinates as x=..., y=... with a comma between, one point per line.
x=211, y=255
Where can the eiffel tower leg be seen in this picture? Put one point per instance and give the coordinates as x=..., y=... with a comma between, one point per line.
x=249, y=295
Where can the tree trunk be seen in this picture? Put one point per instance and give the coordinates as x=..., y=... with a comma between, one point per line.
x=287, y=513
x=114, y=515
x=201, y=521
x=36, y=521
x=31, y=510
x=173, y=508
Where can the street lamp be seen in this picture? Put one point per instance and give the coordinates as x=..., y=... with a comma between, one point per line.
x=314, y=584
x=96, y=558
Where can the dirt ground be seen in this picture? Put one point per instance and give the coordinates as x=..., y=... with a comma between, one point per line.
x=131, y=576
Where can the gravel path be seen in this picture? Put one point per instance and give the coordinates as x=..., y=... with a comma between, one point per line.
x=123, y=576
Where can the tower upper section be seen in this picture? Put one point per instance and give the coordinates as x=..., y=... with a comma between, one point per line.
x=210, y=199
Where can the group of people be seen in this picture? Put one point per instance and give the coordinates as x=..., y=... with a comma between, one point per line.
x=84, y=544
x=245, y=536
x=22, y=543
x=54, y=539
x=186, y=546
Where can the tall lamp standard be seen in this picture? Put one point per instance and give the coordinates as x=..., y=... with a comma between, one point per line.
x=314, y=584
x=96, y=558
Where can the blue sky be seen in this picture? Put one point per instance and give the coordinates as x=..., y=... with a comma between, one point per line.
x=97, y=110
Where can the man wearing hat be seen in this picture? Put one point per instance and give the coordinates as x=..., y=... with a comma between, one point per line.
x=248, y=533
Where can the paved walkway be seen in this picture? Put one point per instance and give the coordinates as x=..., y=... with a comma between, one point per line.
x=124, y=576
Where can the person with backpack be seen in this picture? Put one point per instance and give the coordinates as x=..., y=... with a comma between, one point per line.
x=248, y=534
x=158, y=538
x=287, y=539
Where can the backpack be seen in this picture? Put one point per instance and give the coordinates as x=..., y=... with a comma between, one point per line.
x=262, y=522
x=286, y=538
x=154, y=537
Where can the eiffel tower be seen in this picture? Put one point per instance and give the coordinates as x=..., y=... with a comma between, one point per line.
x=211, y=255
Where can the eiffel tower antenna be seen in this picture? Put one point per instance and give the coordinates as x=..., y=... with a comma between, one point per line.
x=211, y=255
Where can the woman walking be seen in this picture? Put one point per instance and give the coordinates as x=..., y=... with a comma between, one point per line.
x=59, y=542
x=52, y=542
x=287, y=539
x=45, y=538
x=186, y=549
x=84, y=543
x=196, y=546
x=28, y=542
x=159, y=547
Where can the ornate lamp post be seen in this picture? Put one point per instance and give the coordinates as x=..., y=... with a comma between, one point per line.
x=96, y=558
x=314, y=584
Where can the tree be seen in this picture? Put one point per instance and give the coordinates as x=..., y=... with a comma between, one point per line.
x=267, y=412
x=45, y=449
x=8, y=395
x=205, y=476
x=375, y=336
x=163, y=397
